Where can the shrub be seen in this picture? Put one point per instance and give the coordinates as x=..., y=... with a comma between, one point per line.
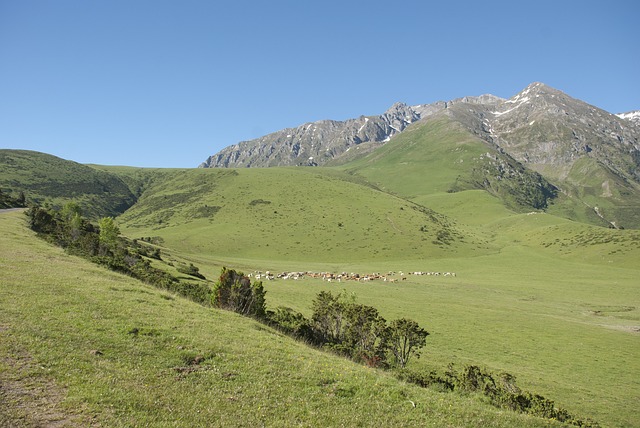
x=503, y=393
x=190, y=270
x=234, y=292
x=359, y=332
x=425, y=380
x=291, y=322
x=403, y=338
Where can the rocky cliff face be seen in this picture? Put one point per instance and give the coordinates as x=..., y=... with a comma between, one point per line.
x=540, y=126
x=319, y=143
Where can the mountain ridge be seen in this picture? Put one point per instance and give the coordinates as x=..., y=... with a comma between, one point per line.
x=325, y=141
x=589, y=156
x=338, y=137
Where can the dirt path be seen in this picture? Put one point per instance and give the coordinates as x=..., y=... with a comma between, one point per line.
x=10, y=210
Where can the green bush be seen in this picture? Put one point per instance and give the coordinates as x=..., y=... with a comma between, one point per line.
x=359, y=332
x=234, y=292
x=503, y=392
x=291, y=322
x=190, y=270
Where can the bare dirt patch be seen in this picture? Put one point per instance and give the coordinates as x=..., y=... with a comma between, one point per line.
x=633, y=329
x=28, y=400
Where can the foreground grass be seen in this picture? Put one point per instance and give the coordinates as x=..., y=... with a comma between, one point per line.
x=84, y=346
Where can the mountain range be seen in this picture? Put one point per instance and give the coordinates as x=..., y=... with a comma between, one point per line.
x=544, y=146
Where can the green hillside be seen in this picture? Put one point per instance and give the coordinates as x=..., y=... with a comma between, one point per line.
x=552, y=301
x=439, y=155
x=83, y=346
x=295, y=214
x=44, y=178
x=594, y=193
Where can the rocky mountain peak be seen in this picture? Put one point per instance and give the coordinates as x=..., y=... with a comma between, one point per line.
x=538, y=126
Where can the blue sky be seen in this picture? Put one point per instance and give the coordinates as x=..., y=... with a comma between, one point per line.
x=158, y=83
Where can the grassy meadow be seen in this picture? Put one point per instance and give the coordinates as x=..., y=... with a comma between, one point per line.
x=551, y=301
x=83, y=346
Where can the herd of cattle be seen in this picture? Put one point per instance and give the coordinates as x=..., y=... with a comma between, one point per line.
x=344, y=276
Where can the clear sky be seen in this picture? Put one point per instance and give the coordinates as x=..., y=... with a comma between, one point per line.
x=160, y=83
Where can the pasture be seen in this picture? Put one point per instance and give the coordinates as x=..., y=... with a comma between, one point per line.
x=561, y=331
x=83, y=346
x=551, y=301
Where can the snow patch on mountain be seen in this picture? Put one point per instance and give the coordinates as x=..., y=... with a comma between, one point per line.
x=633, y=116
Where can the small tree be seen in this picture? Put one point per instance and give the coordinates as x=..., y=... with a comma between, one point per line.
x=328, y=317
x=190, y=270
x=363, y=334
x=403, y=338
x=234, y=292
x=70, y=210
x=40, y=220
x=109, y=231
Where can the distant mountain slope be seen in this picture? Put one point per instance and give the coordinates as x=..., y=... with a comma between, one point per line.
x=329, y=141
x=46, y=178
x=592, y=156
x=540, y=145
x=439, y=155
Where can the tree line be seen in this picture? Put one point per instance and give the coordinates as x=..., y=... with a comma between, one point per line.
x=102, y=244
x=338, y=323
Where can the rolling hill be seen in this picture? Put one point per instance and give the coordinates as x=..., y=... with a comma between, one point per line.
x=44, y=178
x=299, y=214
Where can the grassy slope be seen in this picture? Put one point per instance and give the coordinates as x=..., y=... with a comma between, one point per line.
x=70, y=357
x=617, y=200
x=422, y=159
x=289, y=214
x=552, y=301
x=46, y=178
